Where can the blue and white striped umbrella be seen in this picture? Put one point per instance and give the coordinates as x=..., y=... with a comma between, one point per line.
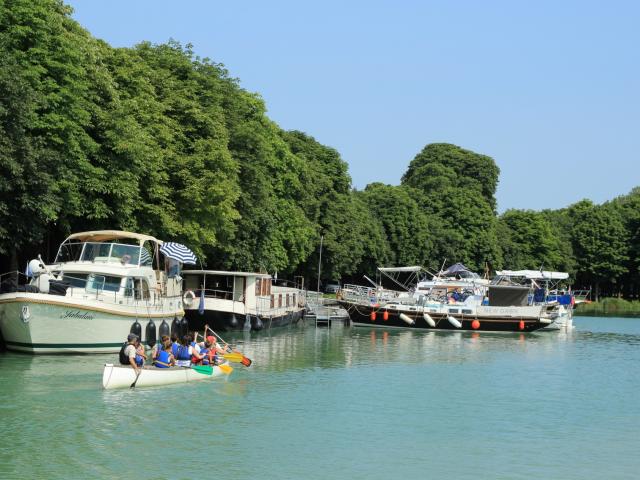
x=178, y=252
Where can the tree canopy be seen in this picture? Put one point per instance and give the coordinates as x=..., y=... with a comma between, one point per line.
x=157, y=140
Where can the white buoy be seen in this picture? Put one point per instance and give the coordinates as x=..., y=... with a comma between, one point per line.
x=454, y=321
x=429, y=320
x=407, y=319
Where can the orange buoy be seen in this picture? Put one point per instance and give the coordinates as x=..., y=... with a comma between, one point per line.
x=521, y=325
x=475, y=324
x=373, y=316
x=385, y=315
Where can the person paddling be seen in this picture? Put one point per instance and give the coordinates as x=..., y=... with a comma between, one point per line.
x=128, y=352
x=184, y=352
x=141, y=356
x=164, y=357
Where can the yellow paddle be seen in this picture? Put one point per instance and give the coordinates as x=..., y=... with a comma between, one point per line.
x=231, y=355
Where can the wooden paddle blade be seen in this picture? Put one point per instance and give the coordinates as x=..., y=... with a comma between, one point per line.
x=233, y=357
x=226, y=368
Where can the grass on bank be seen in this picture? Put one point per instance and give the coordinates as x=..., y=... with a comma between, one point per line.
x=610, y=306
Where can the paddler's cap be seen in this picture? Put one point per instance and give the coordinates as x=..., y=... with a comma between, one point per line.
x=211, y=339
x=132, y=337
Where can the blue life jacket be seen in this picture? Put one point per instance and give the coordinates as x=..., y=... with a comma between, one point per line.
x=139, y=360
x=205, y=359
x=174, y=349
x=183, y=353
x=163, y=359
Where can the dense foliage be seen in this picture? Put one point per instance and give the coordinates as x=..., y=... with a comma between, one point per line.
x=157, y=140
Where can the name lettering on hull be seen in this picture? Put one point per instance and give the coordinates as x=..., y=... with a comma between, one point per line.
x=77, y=314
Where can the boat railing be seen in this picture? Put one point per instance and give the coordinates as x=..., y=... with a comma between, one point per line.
x=214, y=293
x=359, y=294
x=264, y=306
x=581, y=295
x=76, y=286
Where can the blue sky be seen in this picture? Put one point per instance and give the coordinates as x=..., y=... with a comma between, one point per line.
x=550, y=90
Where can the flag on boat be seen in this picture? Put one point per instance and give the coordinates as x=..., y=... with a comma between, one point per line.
x=201, y=306
x=178, y=252
x=145, y=257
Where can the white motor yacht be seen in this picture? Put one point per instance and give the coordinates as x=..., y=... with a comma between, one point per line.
x=102, y=286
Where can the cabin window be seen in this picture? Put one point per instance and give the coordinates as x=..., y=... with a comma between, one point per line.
x=103, y=282
x=272, y=301
x=94, y=250
x=279, y=300
x=75, y=279
x=129, y=287
x=287, y=299
x=258, y=286
x=467, y=312
x=294, y=299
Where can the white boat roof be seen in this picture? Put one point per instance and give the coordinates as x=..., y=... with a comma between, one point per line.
x=225, y=272
x=106, y=235
x=534, y=274
x=400, y=269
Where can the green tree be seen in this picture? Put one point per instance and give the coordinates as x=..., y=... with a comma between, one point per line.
x=529, y=241
x=405, y=224
x=457, y=189
x=599, y=243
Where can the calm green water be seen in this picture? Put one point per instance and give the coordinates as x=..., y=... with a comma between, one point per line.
x=343, y=403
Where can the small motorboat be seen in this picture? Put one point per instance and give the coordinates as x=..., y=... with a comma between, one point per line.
x=123, y=376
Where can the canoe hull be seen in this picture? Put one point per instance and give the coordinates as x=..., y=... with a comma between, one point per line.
x=121, y=376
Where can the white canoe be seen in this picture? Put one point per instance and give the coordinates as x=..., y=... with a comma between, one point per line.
x=122, y=376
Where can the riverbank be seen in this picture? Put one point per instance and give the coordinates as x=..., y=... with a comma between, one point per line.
x=614, y=307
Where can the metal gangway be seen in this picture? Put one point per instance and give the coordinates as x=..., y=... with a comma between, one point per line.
x=323, y=311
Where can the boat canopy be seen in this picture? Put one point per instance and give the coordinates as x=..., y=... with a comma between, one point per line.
x=108, y=235
x=534, y=274
x=399, y=269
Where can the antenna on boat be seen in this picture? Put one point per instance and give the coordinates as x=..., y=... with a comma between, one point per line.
x=320, y=263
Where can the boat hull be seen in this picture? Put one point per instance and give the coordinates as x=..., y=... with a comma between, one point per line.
x=121, y=376
x=41, y=323
x=361, y=315
x=226, y=321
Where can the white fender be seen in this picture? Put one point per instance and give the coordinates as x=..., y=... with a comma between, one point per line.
x=43, y=282
x=407, y=319
x=429, y=320
x=454, y=321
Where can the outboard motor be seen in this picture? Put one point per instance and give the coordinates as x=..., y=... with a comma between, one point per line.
x=164, y=329
x=136, y=329
x=150, y=333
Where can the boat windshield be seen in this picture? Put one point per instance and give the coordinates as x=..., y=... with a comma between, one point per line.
x=104, y=252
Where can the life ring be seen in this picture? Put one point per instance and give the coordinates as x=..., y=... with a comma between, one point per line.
x=188, y=297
